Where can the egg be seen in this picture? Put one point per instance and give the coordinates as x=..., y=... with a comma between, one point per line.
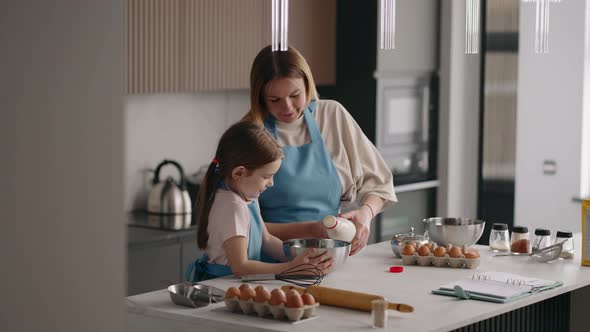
x=430, y=245
x=247, y=293
x=308, y=299
x=277, y=296
x=232, y=292
x=294, y=299
x=424, y=250
x=262, y=294
x=440, y=251
x=408, y=249
x=471, y=255
x=244, y=286
x=455, y=252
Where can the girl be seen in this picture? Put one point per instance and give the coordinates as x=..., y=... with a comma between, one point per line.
x=230, y=228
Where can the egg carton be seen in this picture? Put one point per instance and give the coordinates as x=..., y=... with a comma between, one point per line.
x=263, y=309
x=444, y=261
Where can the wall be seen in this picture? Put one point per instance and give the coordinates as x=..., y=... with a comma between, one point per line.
x=416, y=40
x=182, y=127
x=62, y=244
x=459, y=117
x=553, y=118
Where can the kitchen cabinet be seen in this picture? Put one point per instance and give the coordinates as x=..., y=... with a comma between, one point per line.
x=157, y=258
x=412, y=207
x=153, y=267
x=202, y=45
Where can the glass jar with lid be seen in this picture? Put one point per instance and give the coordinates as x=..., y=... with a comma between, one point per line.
x=542, y=239
x=520, y=240
x=567, y=251
x=499, y=237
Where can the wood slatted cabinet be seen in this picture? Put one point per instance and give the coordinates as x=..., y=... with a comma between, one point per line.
x=177, y=46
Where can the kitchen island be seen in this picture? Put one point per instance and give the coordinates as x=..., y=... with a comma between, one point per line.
x=368, y=272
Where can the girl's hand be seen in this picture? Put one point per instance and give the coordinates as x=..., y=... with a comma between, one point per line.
x=318, y=230
x=310, y=256
x=362, y=220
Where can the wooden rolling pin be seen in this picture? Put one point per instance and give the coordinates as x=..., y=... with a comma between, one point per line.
x=347, y=299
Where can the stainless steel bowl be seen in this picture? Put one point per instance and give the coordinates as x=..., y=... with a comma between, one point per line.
x=398, y=241
x=192, y=295
x=338, y=250
x=455, y=231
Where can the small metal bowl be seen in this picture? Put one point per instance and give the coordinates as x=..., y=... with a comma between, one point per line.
x=338, y=250
x=194, y=296
x=400, y=240
x=455, y=231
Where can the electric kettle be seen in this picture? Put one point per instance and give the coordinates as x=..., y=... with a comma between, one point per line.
x=168, y=197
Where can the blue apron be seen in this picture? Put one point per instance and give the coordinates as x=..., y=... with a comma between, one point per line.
x=307, y=186
x=205, y=270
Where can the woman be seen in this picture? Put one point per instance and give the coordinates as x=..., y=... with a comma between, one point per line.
x=328, y=159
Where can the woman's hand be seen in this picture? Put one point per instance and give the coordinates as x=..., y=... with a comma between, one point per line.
x=310, y=256
x=362, y=220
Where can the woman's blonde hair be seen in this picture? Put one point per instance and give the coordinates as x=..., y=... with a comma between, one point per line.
x=269, y=65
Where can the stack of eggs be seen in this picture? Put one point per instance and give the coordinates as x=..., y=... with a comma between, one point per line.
x=440, y=256
x=264, y=303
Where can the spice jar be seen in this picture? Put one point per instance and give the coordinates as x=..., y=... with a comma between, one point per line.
x=499, y=237
x=567, y=251
x=520, y=240
x=542, y=239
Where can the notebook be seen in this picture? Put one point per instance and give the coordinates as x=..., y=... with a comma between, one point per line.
x=500, y=287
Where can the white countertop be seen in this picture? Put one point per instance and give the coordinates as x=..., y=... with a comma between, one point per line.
x=368, y=272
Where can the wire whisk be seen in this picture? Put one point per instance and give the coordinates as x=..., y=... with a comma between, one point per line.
x=303, y=275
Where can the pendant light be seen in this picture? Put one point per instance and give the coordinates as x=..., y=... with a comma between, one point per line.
x=387, y=24
x=542, y=25
x=280, y=25
x=472, y=13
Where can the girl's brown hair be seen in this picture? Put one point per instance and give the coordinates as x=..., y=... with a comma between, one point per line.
x=243, y=144
x=269, y=65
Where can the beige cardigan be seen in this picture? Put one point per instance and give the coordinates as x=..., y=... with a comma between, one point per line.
x=360, y=167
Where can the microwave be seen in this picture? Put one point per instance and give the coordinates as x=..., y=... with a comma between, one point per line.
x=407, y=124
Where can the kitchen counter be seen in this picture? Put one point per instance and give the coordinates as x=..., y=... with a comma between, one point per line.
x=368, y=272
x=144, y=231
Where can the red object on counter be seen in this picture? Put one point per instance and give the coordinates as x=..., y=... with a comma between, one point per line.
x=396, y=269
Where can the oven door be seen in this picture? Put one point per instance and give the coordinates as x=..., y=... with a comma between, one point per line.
x=406, y=126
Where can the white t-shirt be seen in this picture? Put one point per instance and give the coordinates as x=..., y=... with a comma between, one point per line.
x=229, y=217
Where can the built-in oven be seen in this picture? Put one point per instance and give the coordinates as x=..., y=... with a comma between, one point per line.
x=406, y=126
x=407, y=122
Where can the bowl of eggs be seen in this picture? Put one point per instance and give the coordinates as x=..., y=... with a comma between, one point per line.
x=336, y=249
x=455, y=231
x=281, y=305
